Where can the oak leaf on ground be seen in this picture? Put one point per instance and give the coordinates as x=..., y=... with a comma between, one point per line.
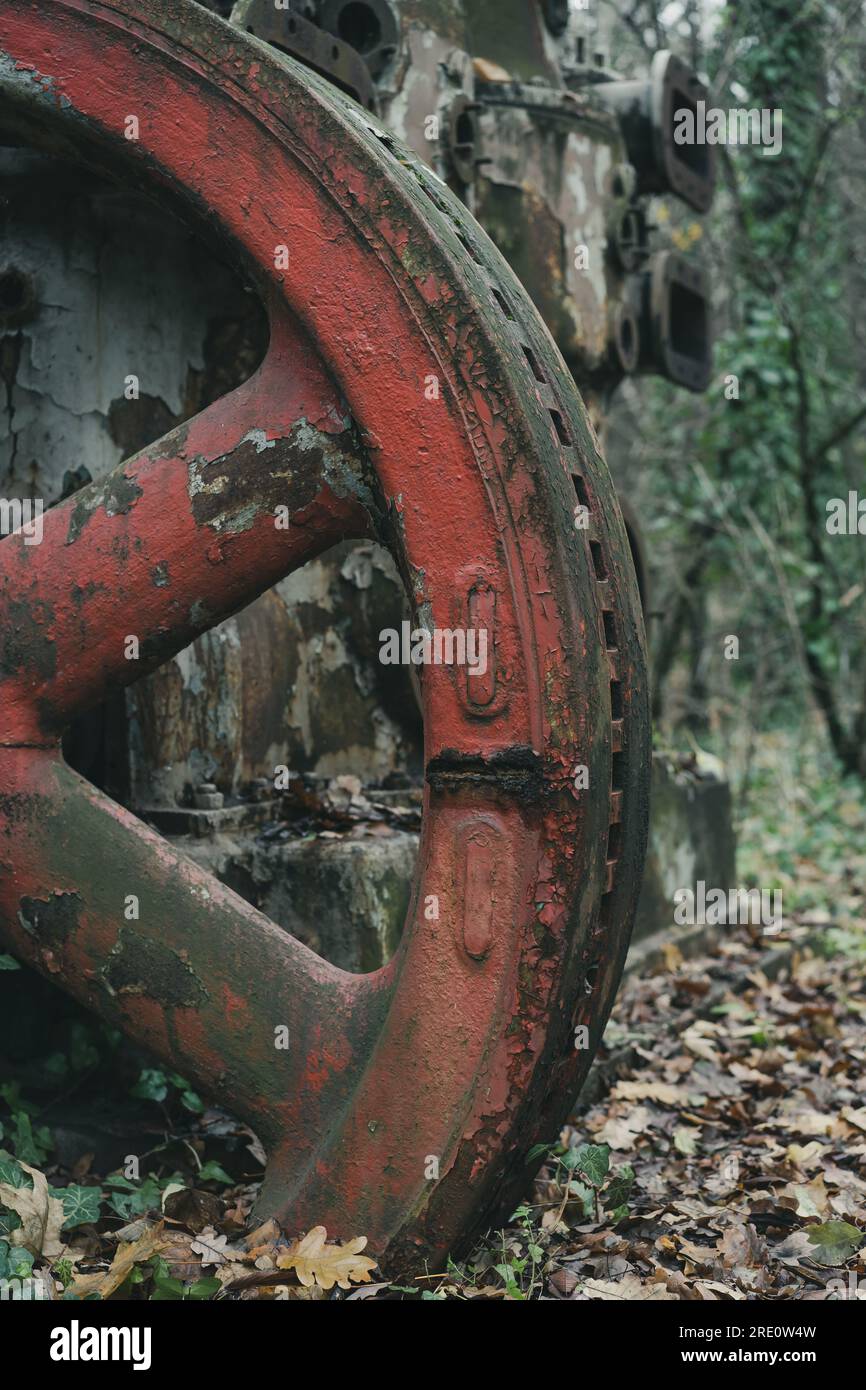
x=316, y=1262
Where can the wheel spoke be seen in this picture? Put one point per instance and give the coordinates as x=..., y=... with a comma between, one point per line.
x=91, y=896
x=175, y=539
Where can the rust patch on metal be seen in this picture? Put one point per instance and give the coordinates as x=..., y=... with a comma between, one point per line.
x=51, y=920
x=517, y=771
x=229, y=492
x=25, y=641
x=138, y=965
x=116, y=495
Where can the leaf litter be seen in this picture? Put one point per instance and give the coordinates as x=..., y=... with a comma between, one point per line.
x=718, y=1153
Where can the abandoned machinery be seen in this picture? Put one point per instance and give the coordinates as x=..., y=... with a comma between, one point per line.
x=318, y=403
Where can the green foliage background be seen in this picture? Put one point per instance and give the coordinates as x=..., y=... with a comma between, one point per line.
x=735, y=491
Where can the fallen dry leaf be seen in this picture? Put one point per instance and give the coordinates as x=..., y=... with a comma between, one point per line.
x=630, y=1288
x=214, y=1248
x=41, y=1215
x=107, y=1281
x=807, y=1199
x=701, y=1047
x=262, y=1240
x=807, y=1122
x=741, y=1245
x=182, y=1261
x=649, y=1090
x=806, y=1156
x=232, y=1273
x=314, y=1261
x=620, y=1131
x=191, y=1207
x=686, y=1139
x=712, y=1291
x=673, y=957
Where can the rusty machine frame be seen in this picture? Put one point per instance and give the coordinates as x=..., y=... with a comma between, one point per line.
x=493, y=499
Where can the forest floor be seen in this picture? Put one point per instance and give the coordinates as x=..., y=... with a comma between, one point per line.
x=727, y=1144
x=718, y=1151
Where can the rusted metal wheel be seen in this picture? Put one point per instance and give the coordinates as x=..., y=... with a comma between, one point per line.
x=409, y=392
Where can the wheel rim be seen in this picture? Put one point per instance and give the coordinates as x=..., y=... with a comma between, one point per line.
x=461, y=1050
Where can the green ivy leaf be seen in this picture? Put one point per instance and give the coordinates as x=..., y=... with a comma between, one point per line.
x=619, y=1188
x=163, y=1280
x=80, y=1204
x=129, y=1199
x=189, y=1099
x=31, y=1145
x=15, y=1261
x=152, y=1084
x=213, y=1172
x=205, y=1288
x=169, y=1291
x=583, y=1194
x=592, y=1160
x=536, y=1152
x=11, y=1172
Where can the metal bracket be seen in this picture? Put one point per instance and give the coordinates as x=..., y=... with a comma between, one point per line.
x=327, y=55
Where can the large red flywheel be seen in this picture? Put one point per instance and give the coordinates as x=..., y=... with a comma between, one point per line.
x=410, y=393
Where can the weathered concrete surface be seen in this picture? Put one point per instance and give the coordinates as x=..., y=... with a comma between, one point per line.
x=293, y=681
x=691, y=838
x=346, y=899
x=121, y=290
